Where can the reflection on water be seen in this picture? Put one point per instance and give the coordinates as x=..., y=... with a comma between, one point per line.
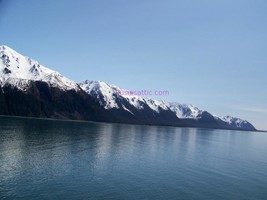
x=45, y=159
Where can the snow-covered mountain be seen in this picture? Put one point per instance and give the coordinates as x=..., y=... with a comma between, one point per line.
x=19, y=71
x=129, y=108
x=110, y=98
x=234, y=121
x=27, y=88
x=185, y=110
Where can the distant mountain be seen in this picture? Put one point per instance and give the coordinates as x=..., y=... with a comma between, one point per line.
x=136, y=109
x=29, y=89
x=129, y=109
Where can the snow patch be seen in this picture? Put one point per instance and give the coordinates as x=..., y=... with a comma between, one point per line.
x=17, y=70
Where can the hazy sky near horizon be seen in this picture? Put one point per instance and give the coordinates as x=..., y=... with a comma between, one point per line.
x=210, y=53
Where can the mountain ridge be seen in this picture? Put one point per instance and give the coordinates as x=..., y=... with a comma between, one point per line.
x=109, y=97
x=30, y=89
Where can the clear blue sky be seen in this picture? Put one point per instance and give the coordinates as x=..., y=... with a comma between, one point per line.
x=211, y=53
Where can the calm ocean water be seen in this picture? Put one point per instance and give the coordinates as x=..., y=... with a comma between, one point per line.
x=45, y=159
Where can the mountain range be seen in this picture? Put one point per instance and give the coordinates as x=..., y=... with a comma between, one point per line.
x=29, y=89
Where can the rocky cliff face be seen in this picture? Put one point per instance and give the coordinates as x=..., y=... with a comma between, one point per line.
x=41, y=100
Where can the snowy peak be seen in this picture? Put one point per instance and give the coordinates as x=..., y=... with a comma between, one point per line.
x=18, y=71
x=233, y=121
x=185, y=111
x=111, y=96
x=104, y=93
